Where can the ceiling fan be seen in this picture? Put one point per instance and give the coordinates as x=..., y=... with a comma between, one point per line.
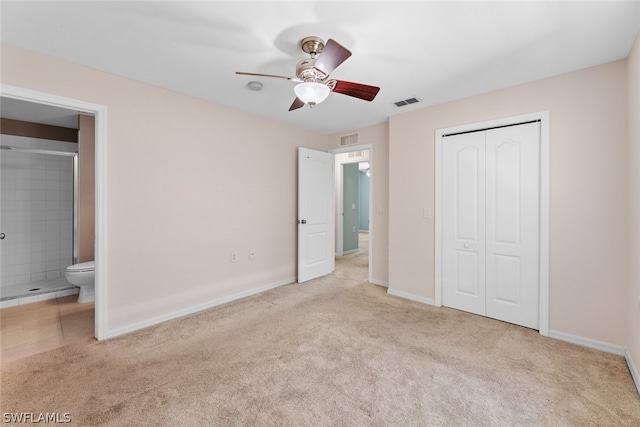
x=312, y=74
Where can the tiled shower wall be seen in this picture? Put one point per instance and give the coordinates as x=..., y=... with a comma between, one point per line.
x=36, y=212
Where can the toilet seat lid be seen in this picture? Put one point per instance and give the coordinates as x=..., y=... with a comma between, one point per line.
x=83, y=266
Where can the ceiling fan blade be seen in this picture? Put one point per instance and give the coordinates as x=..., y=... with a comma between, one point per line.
x=297, y=103
x=293, y=79
x=357, y=90
x=332, y=55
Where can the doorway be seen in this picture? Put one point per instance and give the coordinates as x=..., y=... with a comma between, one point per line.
x=358, y=162
x=353, y=208
x=492, y=219
x=99, y=112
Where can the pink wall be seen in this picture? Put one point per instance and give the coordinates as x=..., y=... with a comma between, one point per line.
x=189, y=182
x=378, y=136
x=633, y=72
x=588, y=193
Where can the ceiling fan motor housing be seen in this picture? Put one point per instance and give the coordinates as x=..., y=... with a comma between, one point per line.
x=312, y=45
x=306, y=71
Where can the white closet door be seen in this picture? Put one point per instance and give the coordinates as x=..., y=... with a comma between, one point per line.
x=491, y=223
x=463, y=231
x=513, y=223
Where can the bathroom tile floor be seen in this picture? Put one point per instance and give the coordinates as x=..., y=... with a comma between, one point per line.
x=40, y=326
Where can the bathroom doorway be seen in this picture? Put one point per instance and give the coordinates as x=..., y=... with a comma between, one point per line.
x=32, y=103
x=39, y=225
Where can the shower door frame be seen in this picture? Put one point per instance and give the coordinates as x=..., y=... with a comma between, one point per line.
x=100, y=114
x=74, y=159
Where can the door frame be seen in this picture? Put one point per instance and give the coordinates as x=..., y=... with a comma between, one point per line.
x=339, y=225
x=100, y=114
x=543, y=117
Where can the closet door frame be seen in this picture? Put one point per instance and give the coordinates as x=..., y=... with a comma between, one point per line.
x=543, y=117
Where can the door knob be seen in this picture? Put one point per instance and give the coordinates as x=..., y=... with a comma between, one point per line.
x=466, y=246
x=303, y=221
x=2, y=236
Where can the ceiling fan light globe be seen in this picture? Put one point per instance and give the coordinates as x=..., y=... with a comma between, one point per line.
x=311, y=92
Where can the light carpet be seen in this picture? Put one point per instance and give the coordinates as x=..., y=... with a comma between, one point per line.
x=333, y=351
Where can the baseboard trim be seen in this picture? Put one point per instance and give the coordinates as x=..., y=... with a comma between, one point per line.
x=197, y=308
x=587, y=342
x=633, y=370
x=411, y=297
x=379, y=282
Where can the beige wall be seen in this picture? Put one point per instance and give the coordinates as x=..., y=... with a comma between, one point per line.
x=588, y=193
x=378, y=136
x=633, y=71
x=189, y=181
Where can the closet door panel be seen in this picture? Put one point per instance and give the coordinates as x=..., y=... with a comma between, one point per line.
x=512, y=223
x=463, y=223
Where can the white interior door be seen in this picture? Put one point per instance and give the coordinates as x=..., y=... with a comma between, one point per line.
x=463, y=280
x=490, y=228
x=513, y=223
x=316, y=224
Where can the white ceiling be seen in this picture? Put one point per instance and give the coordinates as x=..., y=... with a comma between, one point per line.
x=434, y=51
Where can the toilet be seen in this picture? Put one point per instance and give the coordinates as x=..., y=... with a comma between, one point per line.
x=82, y=275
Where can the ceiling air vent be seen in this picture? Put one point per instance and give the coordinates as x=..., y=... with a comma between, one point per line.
x=406, y=102
x=349, y=139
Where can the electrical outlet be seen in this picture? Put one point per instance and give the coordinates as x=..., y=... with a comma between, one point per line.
x=638, y=303
x=252, y=253
x=234, y=256
x=354, y=228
